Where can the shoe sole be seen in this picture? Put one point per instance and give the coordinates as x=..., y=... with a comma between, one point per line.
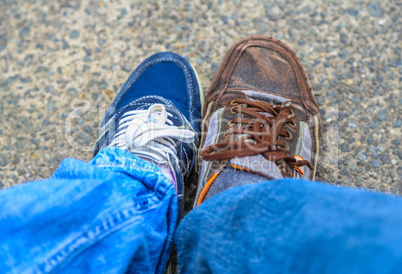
x=202, y=94
x=202, y=99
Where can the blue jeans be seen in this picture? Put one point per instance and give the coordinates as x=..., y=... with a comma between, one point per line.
x=115, y=214
x=292, y=226
x=118, y=213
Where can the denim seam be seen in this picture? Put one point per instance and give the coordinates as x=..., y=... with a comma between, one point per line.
x=135, y=161
x=159, y=186
x=147, y=173
x=100, y=230
x=117, y=165
x=169, y=239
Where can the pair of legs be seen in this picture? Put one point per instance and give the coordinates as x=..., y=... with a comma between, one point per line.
x=118, y=213
x=254, y=210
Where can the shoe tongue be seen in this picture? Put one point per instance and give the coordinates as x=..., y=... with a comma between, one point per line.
x=257, y=164
x=265, y=97
x=176, y=118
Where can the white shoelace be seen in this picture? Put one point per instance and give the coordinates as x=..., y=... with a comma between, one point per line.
x=149, y=133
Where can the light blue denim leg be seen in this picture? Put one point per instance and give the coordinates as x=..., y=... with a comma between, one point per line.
x=114, y=214
x=292, y=226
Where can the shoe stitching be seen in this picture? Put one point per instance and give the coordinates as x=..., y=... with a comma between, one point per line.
x=144, y=66
x=317, y=144
x=259, y=41
x=209, y=164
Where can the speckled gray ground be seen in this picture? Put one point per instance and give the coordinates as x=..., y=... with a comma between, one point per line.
x=61, y=63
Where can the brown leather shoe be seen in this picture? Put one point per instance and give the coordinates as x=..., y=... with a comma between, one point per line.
x=260, y=115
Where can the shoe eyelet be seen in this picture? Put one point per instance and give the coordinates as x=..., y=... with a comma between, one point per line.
x=231, y=111
x=286, y=170
x=293, y=124
x=233, y=103
x=251, y=141
x=287, y=147
x=292, y=112
x=290, y=136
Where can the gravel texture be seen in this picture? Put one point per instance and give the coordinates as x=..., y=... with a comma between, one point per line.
x=62, y=62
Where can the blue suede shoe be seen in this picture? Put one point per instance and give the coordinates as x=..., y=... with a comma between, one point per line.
x=157, y=115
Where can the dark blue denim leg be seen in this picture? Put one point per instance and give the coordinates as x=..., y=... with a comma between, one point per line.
x=292, y=226
x=115, y=214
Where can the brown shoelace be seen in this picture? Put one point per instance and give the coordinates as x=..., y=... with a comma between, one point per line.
x=256, y=135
